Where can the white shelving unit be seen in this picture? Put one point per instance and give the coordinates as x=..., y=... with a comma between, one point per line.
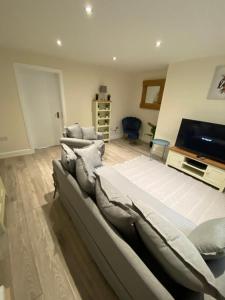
x=102, y=117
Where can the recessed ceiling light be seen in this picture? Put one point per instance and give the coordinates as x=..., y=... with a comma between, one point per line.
x=59, y=42
x=88, y=9
x=114, y=58
x=158, y=44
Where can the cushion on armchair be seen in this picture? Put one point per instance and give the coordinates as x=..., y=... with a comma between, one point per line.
x=100, y=135
x=89, y=133
x=74, y=131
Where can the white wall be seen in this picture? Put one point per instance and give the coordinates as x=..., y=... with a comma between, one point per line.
x=185, y=96
x=81, y=82
x=146, y=115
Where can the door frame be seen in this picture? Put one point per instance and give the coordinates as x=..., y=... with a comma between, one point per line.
x=17, y=68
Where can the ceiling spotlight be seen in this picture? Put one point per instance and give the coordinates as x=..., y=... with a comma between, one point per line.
x=59, y=43
x=158, y=44
x=88, y=9
x=114, y=58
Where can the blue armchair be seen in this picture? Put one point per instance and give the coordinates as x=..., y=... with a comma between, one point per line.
x=131, y=126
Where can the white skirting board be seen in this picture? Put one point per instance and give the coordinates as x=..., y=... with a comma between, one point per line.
x=16, y=153
x=2, y=293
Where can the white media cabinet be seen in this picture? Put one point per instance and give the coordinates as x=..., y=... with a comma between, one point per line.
x=207, y=170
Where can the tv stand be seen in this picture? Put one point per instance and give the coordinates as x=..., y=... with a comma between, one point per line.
x=202, y=168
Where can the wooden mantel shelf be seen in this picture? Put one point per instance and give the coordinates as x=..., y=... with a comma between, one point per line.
x=202, y=159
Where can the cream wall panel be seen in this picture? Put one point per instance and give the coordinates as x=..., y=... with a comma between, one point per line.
x=80, y=85
x=146, y=115
x=185, y=96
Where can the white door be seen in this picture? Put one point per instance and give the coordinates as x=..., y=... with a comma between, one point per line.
x=40, y=92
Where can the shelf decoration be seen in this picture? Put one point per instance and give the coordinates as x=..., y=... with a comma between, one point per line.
x=103, y=92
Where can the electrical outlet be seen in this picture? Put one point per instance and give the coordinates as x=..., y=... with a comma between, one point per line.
x=3, y=138
x=115, y=129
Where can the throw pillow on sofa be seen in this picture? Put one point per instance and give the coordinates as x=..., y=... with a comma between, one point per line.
x=209, y=238
x=68, y=159
x=176, y=254
x=74, y=131
x=115, y=208
x=88, y=160
x=89, y=133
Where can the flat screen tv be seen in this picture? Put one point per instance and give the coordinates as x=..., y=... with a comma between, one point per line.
x=202, y=138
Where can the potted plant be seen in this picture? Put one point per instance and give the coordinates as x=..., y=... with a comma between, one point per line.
x=152, y=132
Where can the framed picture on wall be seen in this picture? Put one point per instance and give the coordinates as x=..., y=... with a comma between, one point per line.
x=152, y=93
x=217, y=89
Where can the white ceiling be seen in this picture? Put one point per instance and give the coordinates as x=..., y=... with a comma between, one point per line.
x=127, y=29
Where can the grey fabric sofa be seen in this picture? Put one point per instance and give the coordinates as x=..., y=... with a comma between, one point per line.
x=129, y=277
x=131, y=273
x=80, y=141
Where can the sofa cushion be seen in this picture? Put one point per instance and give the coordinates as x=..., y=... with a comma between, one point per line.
x=88, y=160
x=177, y=255
x=85, y=176
x=144, y=199
x=209, y=238
x=75, y=143
x=100, y=145
x=89, y=133
x=68, y=159
x=90, y=155
x=74, y=131
x=115, y=208
x=217, y=267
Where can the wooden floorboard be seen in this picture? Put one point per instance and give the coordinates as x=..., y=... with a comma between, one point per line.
x=26, y=282
x=42, y=256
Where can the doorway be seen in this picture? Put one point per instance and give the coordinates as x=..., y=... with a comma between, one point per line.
x=40, y=91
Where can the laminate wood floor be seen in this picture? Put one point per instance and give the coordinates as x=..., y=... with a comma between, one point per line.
x=41, y=254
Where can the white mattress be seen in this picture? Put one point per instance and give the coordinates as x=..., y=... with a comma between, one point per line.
x=189, y=197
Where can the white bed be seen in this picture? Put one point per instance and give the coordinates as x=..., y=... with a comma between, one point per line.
x=187, y=196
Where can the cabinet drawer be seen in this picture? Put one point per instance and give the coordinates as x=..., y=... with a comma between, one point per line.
x=174, y=159
x=215, y=175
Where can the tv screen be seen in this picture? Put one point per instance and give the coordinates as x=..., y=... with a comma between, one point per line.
x=202, y=138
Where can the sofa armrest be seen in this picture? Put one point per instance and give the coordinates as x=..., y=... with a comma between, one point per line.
x=99, y=136
x=75, y=143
